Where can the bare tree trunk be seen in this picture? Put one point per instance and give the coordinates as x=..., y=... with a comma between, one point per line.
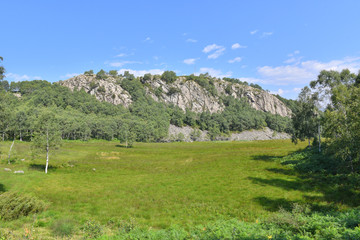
x=309, y=141
x=20, y=136
x=126, y=143
x=3, y=136
x=47, y=150
x=10, y=149
x=319, y=130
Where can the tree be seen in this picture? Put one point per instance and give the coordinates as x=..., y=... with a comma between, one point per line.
x=341, y=92
x=113, y=73
x=2, y=69
x=47, y=134
x=101, y=74
x=304, y=119
x=90, y=72
x=169, y=76
x=147, y=77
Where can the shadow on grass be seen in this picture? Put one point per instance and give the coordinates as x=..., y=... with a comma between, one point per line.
x=40, y=167
x=288, y=172
x=275, y=204
x=314, y=173
x=265, y=158
x=288, y=185
x=122, y=146
x=2, y=188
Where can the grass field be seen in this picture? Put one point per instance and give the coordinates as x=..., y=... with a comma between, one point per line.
x=158, y=184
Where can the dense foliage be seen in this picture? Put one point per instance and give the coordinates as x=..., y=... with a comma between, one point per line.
x=14, y=205
x=338, y=94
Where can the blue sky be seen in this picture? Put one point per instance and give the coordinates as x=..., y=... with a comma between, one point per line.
x=281, y=45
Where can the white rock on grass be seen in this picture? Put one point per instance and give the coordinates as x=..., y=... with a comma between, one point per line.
x=20, y=171
x=7, y=169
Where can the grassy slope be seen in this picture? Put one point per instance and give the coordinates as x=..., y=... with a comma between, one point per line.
x=159, y=184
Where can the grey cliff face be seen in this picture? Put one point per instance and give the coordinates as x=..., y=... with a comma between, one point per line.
x=104, y=90
x=188, y=95
x=184, y=94
x=258, y=99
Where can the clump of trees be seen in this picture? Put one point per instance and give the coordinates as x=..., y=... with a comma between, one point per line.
x=169, y=76
x=337, y=94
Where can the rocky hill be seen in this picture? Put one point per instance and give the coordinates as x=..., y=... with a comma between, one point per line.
x=183, y=92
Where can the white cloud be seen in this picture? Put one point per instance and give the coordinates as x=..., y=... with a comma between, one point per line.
x=211, y=47
x=216, y=54
x=121, y=55
x=13, y=77
x=237, y=45
x=147, y=39
x=155, y=57
x=305, y=71
x=215, y=49
x=293, y=53
x=191, y=40
x=279, y=92
x=266, y=34
x=214, y=72
x=250, y=80
x=294, y=60
x=122, y=63
x=190, y=60
x=237, y=59
x=139, y=73
x=69, y=75
x=253, y=32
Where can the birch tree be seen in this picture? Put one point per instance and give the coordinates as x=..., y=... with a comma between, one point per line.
x=304, y=119
x=47, y=136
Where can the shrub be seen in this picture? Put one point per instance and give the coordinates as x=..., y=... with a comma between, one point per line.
x=173, y=91
x=169, y=76
x=101, y=74
x=63, y=227
x=92, y=229
x=90, y=72
x=14, y=205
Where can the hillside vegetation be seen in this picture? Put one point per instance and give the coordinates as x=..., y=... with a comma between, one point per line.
x=140, y=113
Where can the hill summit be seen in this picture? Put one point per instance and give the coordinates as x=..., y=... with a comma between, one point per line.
x=195, y=93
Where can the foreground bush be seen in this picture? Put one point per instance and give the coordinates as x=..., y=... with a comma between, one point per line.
x=299, y=223
x=14, y=205
x=63, y=227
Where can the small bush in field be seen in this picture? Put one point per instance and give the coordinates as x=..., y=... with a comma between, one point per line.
x=14, y=205
x=92, y=230
x=63, y=227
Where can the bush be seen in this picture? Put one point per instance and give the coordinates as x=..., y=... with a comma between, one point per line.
x=173, y=91
x=14, y=205
x=169, y=76
x=90, y=72
x=63, y=227
x=101, y=74
x=92, y=230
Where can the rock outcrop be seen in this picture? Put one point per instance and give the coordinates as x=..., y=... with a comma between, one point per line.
x=103, y=89
x=258, y=99
x=188, y=134
x=186, y=94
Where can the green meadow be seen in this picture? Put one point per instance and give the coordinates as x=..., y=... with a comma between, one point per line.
x=158, y=185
